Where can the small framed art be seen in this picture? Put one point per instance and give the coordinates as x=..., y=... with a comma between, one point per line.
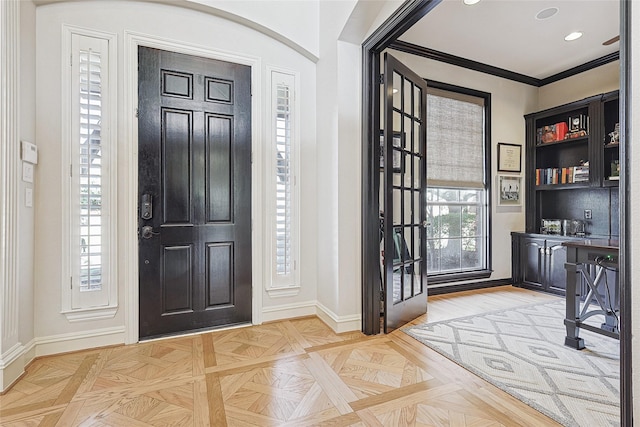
x=509, y=157
x=510, y=190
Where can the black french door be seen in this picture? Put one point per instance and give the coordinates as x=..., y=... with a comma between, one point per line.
x=404, y=274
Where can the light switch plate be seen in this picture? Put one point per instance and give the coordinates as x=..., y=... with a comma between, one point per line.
x=28, y=197
x=27, y=172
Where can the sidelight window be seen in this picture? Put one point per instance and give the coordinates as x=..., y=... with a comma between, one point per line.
x=282, y=168
x=89, y=158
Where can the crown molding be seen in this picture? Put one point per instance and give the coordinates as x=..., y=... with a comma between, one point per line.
x=458, y=61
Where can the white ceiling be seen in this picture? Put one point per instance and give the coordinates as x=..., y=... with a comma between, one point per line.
x=506, y=33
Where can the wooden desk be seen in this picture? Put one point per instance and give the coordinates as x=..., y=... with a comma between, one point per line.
x=589, y=260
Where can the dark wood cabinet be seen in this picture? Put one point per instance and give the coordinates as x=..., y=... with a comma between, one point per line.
x=539, y=262
x=532, y=261
x=556, y=274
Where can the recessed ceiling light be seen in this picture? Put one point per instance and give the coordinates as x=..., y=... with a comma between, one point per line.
x=547, y=13
x=573, y=36
x=470, y=2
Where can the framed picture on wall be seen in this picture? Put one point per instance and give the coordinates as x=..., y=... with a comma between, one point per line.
x=510, y=190
x=397, y=154
x=509, y=157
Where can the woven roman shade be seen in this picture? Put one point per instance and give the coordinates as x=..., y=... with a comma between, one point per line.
x=455, y=140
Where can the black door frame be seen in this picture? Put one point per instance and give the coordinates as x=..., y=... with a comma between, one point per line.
x=407, y=15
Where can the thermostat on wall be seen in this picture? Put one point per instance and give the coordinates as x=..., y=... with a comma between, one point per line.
x=29, y=152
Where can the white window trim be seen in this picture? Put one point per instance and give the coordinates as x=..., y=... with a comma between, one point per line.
x=289, y=286
x=109, y=126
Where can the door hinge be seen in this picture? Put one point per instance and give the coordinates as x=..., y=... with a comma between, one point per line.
x=71, y=60
x=71, y=282
x=71, y=170
x=136, y=112
x=381, y=79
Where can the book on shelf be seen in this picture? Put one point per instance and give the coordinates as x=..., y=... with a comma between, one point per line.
x=566, y=175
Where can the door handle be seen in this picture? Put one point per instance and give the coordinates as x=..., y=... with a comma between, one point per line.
x=147, y=232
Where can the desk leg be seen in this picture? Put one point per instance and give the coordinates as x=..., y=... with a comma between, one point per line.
x=611, y=302
x=571, y=321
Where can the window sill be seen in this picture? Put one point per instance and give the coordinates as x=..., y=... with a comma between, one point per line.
x=457, y=277
x=289, y=291
x=97, y=313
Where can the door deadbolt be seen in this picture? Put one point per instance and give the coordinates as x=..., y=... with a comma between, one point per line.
x=146, y=208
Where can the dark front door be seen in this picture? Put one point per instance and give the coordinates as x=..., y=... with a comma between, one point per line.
x=404, y=224
x=194, y=189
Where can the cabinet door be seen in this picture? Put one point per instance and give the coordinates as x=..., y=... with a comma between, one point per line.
x=555, y=271
x=532, y=262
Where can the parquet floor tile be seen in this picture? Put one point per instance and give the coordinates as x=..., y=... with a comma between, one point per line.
x=291, y=373
x=373, y=368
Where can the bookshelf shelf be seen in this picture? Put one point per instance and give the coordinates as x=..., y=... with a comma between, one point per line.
x=564, y=142
x=556, y=187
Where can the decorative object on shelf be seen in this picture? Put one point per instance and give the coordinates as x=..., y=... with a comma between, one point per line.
x=578, y=126
x=615, y=170
x=552, y=133
x=574, y=227
x=397, y=155
x=509, y=157
x=510, y=188
x=614, y=137
x=550, y=226
x=578, y=122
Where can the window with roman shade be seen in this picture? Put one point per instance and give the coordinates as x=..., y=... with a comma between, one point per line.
x=457, y=185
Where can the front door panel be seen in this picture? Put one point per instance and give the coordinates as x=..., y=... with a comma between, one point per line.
x=195, y=168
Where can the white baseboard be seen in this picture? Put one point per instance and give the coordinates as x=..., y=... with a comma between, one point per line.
x=339, y=324
x=11, y=365
x=75, y=341
x=288, y=311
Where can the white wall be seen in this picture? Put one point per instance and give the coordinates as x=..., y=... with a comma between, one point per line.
x=16, y=221
x=179, y=25
x=509, y=102
x=28, y=133
x=338, y=170
x=605, y=78
x=294, y=20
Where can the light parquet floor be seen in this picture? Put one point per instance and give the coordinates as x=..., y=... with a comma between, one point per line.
x=289, y=373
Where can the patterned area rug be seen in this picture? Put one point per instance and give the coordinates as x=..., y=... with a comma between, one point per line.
x=522, y=351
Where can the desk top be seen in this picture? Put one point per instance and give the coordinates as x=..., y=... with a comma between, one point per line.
x=606, y=244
